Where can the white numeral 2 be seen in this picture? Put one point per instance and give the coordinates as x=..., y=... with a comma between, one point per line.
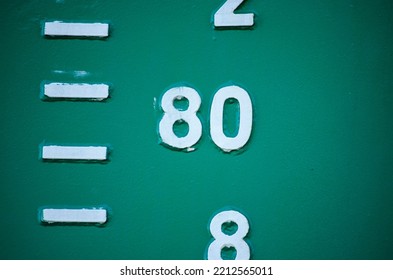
x=225, y=16
x=222, y=240
x=173, y=115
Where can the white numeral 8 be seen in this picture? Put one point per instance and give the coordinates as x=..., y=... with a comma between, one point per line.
x=172, y=115
x=222, y=240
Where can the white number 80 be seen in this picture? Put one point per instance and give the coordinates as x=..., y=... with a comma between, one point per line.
x=224, y=142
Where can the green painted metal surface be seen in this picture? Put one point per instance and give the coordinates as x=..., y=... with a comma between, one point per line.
x=315, y=180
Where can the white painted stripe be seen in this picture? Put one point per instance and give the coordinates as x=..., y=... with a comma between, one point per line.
x=80, y=91
x=74, y=153
x=58, y=28
x=74, y=216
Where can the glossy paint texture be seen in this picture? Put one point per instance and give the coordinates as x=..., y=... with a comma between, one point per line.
x=315, y=180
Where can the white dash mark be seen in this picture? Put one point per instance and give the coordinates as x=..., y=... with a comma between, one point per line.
x=68, y=29
x=76, y=91
x=53, y=152
x=98, y=216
